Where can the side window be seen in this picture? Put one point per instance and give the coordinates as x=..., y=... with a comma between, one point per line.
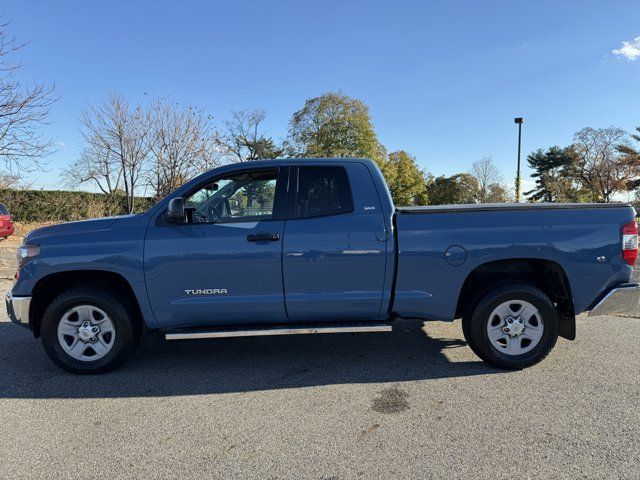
x=243, y=197
x=322, y=191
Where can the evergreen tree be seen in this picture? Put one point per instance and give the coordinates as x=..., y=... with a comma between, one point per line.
x=552, y=173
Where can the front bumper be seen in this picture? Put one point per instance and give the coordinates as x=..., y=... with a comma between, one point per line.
x=18, y=309
x=622, y=299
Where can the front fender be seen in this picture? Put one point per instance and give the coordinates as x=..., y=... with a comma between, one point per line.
x=118, y=249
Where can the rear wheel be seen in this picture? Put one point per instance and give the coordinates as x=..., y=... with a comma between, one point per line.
x=89, y=330
x=512, y=326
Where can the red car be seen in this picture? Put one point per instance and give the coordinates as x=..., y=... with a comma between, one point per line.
x=6, y=225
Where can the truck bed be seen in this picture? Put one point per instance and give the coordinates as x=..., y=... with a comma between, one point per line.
x=437, y=252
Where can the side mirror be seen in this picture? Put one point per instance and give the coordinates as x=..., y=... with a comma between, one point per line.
x=175, y=210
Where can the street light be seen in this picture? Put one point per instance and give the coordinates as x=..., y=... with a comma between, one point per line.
x=519, y=121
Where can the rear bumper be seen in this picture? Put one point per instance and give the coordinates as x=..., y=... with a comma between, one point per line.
x=18, y=309
x=622, y=299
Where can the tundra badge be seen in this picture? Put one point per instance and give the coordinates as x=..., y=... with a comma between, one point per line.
x=207, y=291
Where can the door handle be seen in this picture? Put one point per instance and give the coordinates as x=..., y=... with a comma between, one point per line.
x=263, y=237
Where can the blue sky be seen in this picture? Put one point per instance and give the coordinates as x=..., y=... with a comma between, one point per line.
x=443, y=79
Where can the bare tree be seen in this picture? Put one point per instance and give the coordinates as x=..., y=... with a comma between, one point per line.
x=214, y=154
x=244, y=141
x=97, y=163
x=8, y=180
x=23, y=110
x=116, y=147
x=183, y=144
x=489, y=180
x=600, y=166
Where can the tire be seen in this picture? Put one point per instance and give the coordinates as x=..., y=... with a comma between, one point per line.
x=513, y=344
x=115, y=318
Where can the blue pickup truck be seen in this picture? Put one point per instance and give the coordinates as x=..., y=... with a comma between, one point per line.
x=316, y=246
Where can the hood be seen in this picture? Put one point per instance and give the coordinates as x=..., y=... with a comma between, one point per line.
x=70, y=228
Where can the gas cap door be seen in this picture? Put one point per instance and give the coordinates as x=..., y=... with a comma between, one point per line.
x=455, y=255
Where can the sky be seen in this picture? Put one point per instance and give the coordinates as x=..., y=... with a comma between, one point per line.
x=443, y=79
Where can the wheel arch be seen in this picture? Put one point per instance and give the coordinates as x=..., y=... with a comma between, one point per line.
x=547, y=275
x=52, y=285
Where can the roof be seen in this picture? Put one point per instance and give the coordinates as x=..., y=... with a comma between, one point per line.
x=306, y=161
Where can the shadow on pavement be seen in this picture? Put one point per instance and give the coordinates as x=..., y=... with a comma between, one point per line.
x=196, y=367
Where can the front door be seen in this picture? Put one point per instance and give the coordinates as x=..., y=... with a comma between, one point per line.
x=223, y=266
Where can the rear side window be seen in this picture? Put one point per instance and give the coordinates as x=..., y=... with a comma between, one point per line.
x=3, y=210
x=322, y=191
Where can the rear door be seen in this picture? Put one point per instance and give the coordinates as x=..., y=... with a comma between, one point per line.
x=335, y=245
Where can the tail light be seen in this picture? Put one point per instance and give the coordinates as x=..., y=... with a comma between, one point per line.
x=630, y=242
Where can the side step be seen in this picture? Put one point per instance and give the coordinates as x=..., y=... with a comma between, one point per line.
x=261, y=332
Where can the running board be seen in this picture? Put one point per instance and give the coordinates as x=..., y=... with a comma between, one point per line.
x=385, y=327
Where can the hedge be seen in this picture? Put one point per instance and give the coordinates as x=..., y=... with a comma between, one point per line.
x=60, y=205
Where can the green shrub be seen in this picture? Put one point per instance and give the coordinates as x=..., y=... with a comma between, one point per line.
x=60, y=205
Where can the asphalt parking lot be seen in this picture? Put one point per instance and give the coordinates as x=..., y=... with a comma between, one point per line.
x=415, y=403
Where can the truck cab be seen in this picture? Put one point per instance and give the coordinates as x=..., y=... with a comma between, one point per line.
x=270, y=244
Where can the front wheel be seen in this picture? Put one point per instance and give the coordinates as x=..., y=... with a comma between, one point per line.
x=512, y=327
x=89, y=329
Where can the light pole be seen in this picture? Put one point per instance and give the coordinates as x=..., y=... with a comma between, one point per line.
x=519, y=121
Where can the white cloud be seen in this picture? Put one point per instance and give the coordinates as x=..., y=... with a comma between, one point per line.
x=630, y=50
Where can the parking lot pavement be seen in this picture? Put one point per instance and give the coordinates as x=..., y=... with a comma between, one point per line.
x=415, y=403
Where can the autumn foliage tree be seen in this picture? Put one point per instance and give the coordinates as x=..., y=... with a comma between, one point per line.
x=405, y=179
x=335, y=125
x=457, y=189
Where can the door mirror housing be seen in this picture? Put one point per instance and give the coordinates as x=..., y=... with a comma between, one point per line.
x=175, y=210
